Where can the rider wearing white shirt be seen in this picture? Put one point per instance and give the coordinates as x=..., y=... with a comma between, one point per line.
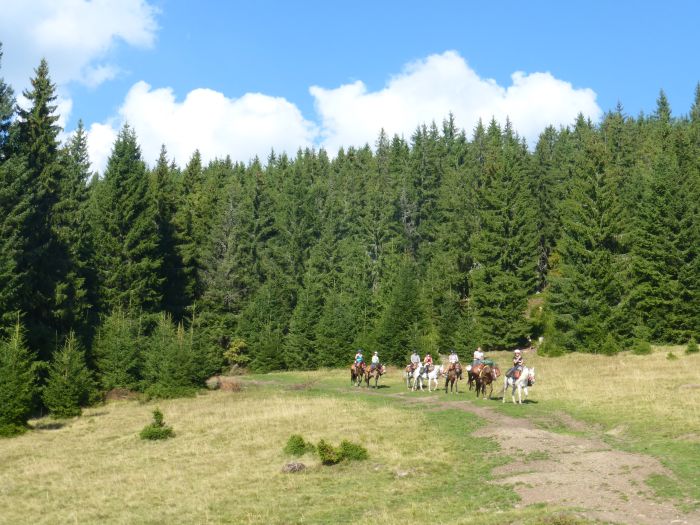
x=453, y=359
x=415, y=360
x=375, y=361
x=478, y=356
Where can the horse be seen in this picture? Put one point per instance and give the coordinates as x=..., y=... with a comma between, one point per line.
x=418, y=377
x=356, y=374
x=409, y=376
x=378, y=371
x=472, y=374
x=454, y=372
x=433, y=375
x=486, y=376
x=526, y=379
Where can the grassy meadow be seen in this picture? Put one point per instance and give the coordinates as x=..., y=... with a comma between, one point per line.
x=224, y=464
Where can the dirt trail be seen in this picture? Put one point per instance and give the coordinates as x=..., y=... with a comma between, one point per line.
x=569, y=471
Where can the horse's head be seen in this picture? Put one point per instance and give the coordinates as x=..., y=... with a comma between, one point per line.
x=531, y=376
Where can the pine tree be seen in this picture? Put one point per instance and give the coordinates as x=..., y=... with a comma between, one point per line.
x=169, y=362
x=164, y=197
x=504, y=243
x=117, y=350
x=127, y=241
x=70, y=383
x=49, y=292
x=400, y=327
x=17, y=383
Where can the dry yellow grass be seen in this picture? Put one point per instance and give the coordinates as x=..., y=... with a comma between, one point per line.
x=223, y=465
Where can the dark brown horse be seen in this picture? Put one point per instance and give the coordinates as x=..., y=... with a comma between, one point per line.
x=376, y=374
x=454, y=371
x=356, y=373
x=473, y=373
x=486, y=376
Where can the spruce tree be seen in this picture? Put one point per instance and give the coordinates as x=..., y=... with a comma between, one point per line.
x=117, y=350
x=169, y=362
x=70, y=384
x=127, y=240
x=17, y=383
x=401, y=325
x=164, y=197
x=51, y=293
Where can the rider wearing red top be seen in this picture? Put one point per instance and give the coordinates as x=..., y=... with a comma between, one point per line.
x=427, y=361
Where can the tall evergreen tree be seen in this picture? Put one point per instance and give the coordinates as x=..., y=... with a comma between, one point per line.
x=50, y=293
x=129, y=262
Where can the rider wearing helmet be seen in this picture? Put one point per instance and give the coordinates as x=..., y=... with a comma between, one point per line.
x=518, y=363
x=415, y=360
x=427, y=362
x=375, y=361
x=453, y=359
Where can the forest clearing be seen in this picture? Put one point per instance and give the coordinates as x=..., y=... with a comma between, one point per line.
x=614, y=439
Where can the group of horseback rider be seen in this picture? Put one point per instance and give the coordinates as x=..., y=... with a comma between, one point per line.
x=478, y=359
x=360, y=361
x=453, y=360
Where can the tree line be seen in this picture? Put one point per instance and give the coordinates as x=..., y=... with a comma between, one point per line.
x=152, y=278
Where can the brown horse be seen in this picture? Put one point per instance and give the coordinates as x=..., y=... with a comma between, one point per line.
x=357, y=373
x=376, y=374
x=473, y=373
x=451, y=376
x=486, y=376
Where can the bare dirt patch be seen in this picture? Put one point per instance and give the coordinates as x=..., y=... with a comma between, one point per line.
x=571, y=471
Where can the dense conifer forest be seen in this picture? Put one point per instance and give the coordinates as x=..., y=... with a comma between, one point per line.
x=153, y=278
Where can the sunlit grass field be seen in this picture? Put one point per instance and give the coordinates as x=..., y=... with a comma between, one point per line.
x=225, y=463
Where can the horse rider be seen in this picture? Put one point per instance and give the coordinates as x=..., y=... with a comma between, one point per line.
x=478, y=357
x=427, y=362
x=359, y=360
x=453, y=359
x=375, y=361
x=518, y=364
x=415, y=360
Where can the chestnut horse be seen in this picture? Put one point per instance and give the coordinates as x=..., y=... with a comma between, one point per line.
x=356, y=374
x=378, y=371
x=485, y=378
x=453, y=373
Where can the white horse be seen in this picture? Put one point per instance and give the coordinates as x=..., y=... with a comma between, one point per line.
x=417, y=377
x=526, y=379
x=433, y=376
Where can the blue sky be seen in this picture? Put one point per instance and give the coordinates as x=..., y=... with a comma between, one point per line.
x=240, y=76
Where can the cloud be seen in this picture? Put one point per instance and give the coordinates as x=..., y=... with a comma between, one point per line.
x=75, y=36
x=349, y=115
x=428, y=90
x=206, y=120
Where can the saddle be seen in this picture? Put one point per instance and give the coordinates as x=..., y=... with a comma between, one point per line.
x=516, y=373
x=476, y=369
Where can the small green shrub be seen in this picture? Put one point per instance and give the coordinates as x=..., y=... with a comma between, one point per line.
x=157, y=429
x=352, y=451
x=349, y=451
x=692, y=347
x=641, y=347
x=328, y=453
x=296, y=446
x=671, y=356
x=610, y=346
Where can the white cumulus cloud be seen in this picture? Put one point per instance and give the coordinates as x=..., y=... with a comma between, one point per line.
x=428, y=90
x=206, y=120
x=75, y=37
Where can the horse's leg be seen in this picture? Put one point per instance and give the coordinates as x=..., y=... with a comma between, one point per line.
x=505, y=387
